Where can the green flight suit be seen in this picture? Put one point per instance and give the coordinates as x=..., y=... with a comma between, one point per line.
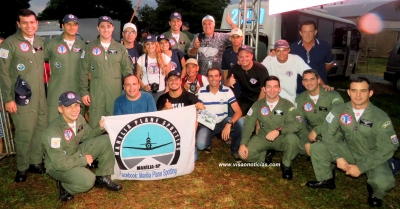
x=65, y=67
x=368, y=143
x=107, y=69
x=65, y=157
x=188, y=34
x=315, y=113
x=182, y=44
x=284, y=116
x=19, y=57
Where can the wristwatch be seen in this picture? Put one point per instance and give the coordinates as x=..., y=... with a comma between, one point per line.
x=230, y=122
x=279, y=129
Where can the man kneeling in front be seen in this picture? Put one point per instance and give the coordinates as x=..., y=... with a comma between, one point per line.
x=69, y=144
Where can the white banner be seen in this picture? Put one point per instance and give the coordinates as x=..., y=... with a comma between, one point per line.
x=152, y=146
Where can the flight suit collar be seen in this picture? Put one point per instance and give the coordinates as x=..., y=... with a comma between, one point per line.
x=35, y=39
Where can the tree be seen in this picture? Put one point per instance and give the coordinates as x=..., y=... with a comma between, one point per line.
x=146, y=18
x=8, y=15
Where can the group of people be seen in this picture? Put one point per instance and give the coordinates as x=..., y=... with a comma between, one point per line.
x=258, y=109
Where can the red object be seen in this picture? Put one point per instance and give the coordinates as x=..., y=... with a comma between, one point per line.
x=46, y=76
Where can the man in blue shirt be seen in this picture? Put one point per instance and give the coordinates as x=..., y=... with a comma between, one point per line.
x=134, y=101
x=316, y=53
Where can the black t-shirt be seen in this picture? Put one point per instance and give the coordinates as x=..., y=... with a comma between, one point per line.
x=185, y=99
x=251, y=80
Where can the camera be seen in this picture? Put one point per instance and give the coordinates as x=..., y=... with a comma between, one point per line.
x=154, y=87
x=193, y=87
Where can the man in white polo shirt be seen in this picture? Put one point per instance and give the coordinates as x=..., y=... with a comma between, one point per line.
x=216, y=99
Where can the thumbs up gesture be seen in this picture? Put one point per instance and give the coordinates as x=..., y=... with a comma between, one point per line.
x=167, y=105
x=232, y=81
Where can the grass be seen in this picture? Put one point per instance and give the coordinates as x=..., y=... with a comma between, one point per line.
x=376, y=66
x=212, y=186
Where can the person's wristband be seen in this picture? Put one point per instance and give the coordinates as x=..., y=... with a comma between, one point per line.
x=279, y=129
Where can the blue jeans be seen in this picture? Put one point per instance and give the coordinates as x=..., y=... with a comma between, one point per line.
x=204, y=135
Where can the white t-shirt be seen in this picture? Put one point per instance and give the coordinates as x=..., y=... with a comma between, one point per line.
x=314, y=98
x=176, y=36
x=105, y=45
x=73, y=126
x=272, y=105
x=71, y=43
x=287, y=73
x=358, y=113
x=153, y=74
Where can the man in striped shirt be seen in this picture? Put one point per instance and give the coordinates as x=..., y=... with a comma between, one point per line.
x=216, y=99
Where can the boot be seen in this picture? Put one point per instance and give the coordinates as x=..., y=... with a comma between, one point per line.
x=268, y=157
x=63, y=194
x=105, y=181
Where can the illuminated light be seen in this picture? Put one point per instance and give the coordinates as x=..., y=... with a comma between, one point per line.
x=235, y=13
x=370, y=23
x=279, y=6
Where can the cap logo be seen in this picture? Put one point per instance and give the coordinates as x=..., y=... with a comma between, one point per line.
x=71, y=16
x=22, y=97
x=148, y=37
x=71, y=96
x=162, y=36
x=175, y=14
x=105, y=18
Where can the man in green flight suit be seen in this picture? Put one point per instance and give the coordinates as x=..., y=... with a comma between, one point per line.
x=106, y=60
x=369, y=142
x=279, y=122
x=313, y=106
x=64, y=54
x=21, y=55
x=177, y=39
x=69, y=144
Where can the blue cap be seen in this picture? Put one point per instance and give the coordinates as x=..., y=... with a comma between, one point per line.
x=105, y=19
x=68, y=98
x=175, y=15
x=22, y=91
x=150, y=38
x=173, y=73
x=70, y=17
x=162, y=37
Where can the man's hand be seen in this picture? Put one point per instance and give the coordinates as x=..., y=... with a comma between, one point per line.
x=312, y=136
x=308, y=149
x=89, y=159
x=196, y=43
x=186, y=86
x=167, y=105
x=11, y=107
x=328, y=88
x=225, y=133
x=271, y=136
x=353, y=171
x=101, y=124
x=243, y=151
x=86, y=100
x=231, y=81
x=200, y=106
x=147, y=88
x=229, y=19
x=89, y=76
x=342, y=164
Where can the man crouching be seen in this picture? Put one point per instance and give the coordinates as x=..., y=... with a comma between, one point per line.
x=69, y=144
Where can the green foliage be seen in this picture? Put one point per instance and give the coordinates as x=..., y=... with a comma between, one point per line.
x=8, y=15
x=192, y=11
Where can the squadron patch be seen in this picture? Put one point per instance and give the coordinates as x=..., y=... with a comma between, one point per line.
x=21, y=67
x=55, y=142
x=24, y=47
x=329, y=117
x=264, y=111
x=4, y=53
x=308, y=107
x=289, y=73
x=172, y=41
x=68, y=134
x=250, y=112
x=58, y=65
x=346, y=119
x=386, y=124
x=92, y=67
x=394, y=139
x=253, y=81
x=96, y=51
x=62, y=49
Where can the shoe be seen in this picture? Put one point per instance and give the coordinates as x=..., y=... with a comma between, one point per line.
x=37, y=168
x=268, y=157
x=105, y=181
x=286, y=172
x=20, y=176
x=208, y=149
x=64, y=195
x=372, y=200
x=95, y=164
x=328, y=184
x=237, y=158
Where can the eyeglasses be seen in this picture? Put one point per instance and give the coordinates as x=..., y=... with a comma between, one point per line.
x=130, y=32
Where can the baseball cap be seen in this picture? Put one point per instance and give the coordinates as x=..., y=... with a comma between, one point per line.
x=281, y=44
x=162, y=37
x=186, y=24
x=70, y=17
x=175, y=15
x=150, y=38
x=191, y=61
x=247, y=48
x=22, y=91
x=236, y=31
x=68, y=98
x=174, y=73
x=105, y=19
x=129, y=25
x=144, y=30
x=208, y=17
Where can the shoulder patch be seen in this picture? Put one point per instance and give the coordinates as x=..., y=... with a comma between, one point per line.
x=250, y=112
x=291, y=109
x=4, y=53
x=83, y=54
x=335, y=100
x=386, y=124
x=55, y=142
x=394, y=139
x=329, y=117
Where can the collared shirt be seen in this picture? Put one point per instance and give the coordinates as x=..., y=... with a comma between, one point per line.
x=217, y=103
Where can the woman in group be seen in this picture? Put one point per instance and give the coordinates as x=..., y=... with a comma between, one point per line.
x=176, y=55
x=152, y=67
